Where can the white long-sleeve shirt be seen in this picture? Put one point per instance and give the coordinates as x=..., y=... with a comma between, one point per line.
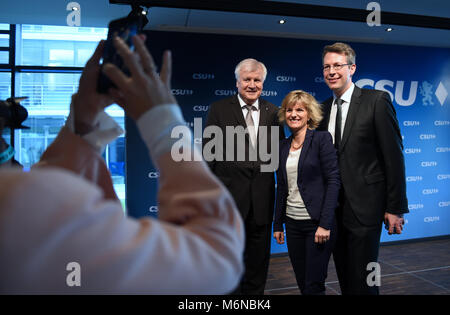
x=295, y=207
x=65, y=211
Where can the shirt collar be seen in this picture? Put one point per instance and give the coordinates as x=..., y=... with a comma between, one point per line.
x=242, y=103
x=347, y=96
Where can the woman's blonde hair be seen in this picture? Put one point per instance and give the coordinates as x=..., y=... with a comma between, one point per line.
x=312, y=107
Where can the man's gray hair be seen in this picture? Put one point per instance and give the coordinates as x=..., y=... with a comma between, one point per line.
x=250, y=64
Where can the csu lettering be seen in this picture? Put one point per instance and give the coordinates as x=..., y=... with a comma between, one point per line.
x=281, y=78
x=224, y=92
x=182, y=92
x=399, y=87
x=202, y=76
x=199, y=108
x=428, y=164
x=409, y=123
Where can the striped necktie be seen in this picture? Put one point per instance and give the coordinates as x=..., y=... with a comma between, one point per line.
x=251, y=124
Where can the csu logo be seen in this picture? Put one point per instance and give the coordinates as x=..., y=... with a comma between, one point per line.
x=412, y=150
x=414, y=178
x=415, y=206
x=320, y=80
x=269, y=93
x=431, y=219
x=442, y=123
x=200, y=108
x=411, y=123
x=224, y=92
x=182, y=92
x=397, y=90
x=203, y=76
x=428, y=163
x=282, y=78
x=427, y=136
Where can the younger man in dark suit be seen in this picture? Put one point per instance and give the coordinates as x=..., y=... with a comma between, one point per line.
x=369, y=144
x=252, y=188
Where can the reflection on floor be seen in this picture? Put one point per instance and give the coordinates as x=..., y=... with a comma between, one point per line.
x=410, y=268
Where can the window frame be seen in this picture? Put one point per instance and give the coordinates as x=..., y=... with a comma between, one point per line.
x=16, y=70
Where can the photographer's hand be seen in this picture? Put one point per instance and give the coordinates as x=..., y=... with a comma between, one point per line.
x=144, y=89
x=87, y=102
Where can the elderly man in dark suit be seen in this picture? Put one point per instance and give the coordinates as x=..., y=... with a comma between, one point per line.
x=369, y=144
x=239, y=164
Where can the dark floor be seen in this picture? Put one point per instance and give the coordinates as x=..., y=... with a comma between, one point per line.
x=406, y=269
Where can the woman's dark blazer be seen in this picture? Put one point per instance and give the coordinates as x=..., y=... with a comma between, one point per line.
x=318, y=179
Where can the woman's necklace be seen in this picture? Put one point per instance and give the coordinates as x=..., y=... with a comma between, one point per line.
x=296, y=147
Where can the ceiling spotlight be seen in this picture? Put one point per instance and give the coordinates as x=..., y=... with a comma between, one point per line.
x=74, y=8
x=281, y=21
x=389, y=29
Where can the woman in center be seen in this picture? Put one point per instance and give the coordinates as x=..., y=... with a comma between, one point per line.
x=307, y=192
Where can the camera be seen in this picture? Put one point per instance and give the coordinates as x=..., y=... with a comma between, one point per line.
x=125, y=28
x=12, y=114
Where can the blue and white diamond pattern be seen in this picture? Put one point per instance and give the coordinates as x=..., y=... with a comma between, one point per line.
x=441, y=93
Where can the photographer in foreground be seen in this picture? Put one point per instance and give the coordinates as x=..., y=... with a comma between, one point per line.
x=65, y=209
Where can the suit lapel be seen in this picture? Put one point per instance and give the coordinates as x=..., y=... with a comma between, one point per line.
x=237, y=111
x=263, y=113
x=263, y=117
x=305, y=148
x=351, y=116
x=284, y=156
x=326, y=114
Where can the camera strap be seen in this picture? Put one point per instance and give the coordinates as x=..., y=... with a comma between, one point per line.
x=6, y=155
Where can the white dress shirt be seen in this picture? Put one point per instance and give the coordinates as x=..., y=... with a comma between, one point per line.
x=255, y=113
x=346, y=97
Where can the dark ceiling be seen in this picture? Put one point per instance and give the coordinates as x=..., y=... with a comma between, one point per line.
x=99, y=12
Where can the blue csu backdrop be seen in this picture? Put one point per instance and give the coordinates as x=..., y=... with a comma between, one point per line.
x=417, y=79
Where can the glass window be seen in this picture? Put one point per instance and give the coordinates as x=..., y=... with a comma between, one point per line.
x=4, y=40
x=5, y=93
x=63, y=46
x=48, y=105
x=4, y=57
x=49, y=93
x=5, y=85
x=31, y=143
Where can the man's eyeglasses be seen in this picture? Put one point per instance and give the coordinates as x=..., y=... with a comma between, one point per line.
x=335, y=67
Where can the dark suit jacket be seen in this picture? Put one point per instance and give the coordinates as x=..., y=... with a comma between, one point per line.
x=244, y=179
x=317, y=179
x=370, y=156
